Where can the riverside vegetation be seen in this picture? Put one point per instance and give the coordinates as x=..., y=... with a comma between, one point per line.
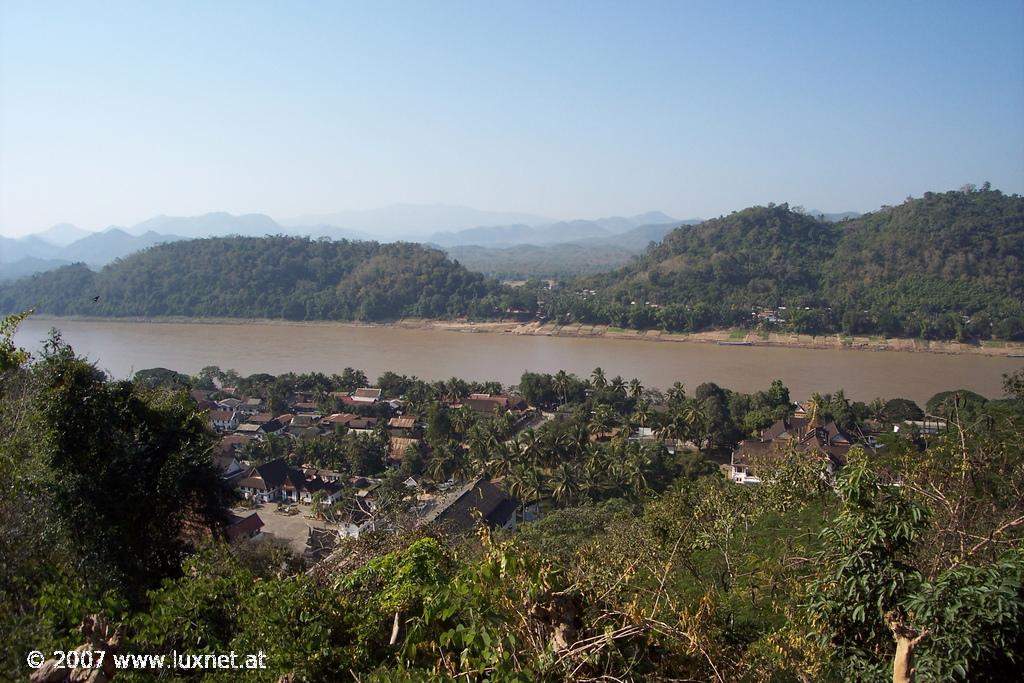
x=944, y=266
x=643, y=566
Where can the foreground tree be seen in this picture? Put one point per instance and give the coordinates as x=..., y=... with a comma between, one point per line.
x=128, y=470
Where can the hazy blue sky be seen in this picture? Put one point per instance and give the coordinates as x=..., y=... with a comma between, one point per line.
x=114, y=112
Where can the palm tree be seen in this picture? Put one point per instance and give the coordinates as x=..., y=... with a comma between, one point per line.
x=526, y=484
x=815, y=408
x=618, y=385
x=580, y=436
x=636, y=389
x=441, y=464
x=563, y=484
x=478, y=441
x=534, y=486
x=461, y=419
x=456, y=389
x=602, y=420
x=500, y=462
x=642, y=414
x=560, y=383
x=491, y=387
x=681, y=423
x=635, y=471
x=530, y=447
x=876, y=409
x=677, y=392
x=615, y=471
x=597, y=379
x=461, y=468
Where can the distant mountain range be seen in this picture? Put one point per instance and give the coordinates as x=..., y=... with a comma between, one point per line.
x=593, y=231
x=21, y=257
x=63, y=234
x=561, y=260
x=944, y=266
x=209, y=225
x=66, y=243
x=411, y=220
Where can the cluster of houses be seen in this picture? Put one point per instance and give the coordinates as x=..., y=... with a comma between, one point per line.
x=802, y=432
x=241, y=420
x=825, y=441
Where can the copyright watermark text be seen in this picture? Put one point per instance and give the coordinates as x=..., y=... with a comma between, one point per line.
x=95, y=659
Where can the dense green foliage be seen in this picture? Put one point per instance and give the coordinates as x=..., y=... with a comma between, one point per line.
x=945, y=266
x=271, y=277
x=107, y=486
x=643, y=566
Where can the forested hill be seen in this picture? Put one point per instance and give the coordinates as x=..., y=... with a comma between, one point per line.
x=269, y=277
x=948, y=265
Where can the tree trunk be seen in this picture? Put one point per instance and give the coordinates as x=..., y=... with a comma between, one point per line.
x=907, y=640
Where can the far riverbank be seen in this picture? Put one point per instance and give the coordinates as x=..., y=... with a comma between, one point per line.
x=438, y=351
x=539, y=329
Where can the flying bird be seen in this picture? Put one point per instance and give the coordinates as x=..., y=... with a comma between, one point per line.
x=95, y=299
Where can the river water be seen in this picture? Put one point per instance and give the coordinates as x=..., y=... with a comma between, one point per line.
x=121, y=348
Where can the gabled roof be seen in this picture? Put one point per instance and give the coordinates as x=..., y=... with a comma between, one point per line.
x=270, y=475
x=259, y=418
x=481, y=496
x=834, y=435
x=310, y=432
x=225, y=462
x=492, y=403
x=487, y=406
x=305, y=420
x=222, y=415
x=242, y=527
x=274, y=425
x=366, y=393
x=397, y=446
x=339, y=418
x=363, y=423
x=402, y=422
x=793, y=428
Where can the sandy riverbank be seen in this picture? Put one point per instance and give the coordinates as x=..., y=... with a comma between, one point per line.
x=534, y=328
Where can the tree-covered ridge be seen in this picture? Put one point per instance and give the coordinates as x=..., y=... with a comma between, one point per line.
x=947, y=265
x=755, y=257
x=270, y=277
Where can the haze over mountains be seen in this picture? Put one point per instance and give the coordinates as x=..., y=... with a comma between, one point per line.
x=943, y=266
x=407, y=220
x=619, y=237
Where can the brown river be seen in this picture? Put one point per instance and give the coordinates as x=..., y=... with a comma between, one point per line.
x=121, y=348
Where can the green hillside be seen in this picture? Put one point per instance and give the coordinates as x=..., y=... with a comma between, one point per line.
x=948, y=265
x=945, y=266
x=271, y=277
